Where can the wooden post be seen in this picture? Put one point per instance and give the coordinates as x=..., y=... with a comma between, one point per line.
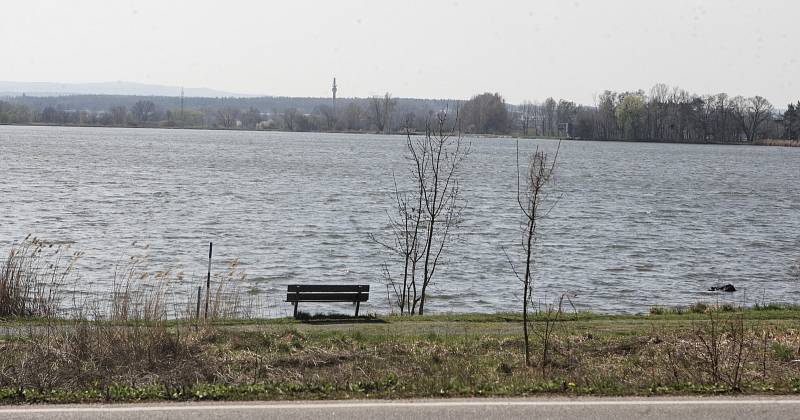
x=208, y=279
x=197, y=311
x=296, y=301
x=358, y=301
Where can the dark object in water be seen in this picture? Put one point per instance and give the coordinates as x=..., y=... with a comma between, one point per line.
x=726, y=288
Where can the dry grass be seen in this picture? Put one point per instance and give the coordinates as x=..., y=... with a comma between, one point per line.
x=723, y=352
x=142, y=295
x=226, y=298
x=38, y=280
x=89, y=354
x=778, y=142
x=32, y=276
x=137, y=294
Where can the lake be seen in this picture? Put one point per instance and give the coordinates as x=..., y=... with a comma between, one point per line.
x=636, y=225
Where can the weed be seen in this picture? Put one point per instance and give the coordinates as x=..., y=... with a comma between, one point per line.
x=698, y=307
x=782, y=352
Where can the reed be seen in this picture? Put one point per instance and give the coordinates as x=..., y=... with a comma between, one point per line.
x=134, y=297
x=37, y=277
x=778, y=142
x=32, y=278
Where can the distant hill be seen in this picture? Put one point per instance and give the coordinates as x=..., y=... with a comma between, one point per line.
x=103, y=96
x=107, y=88
x=262, y=103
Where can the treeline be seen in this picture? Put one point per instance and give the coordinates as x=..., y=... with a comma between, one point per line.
x=661, y=114
x=673, y=114
x=381, y=113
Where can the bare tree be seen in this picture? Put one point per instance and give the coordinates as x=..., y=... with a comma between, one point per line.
x=549, y=117
x=437, y=158
x=228, y=116
x=406, y=226
x=251, y=118
x=352, y=116
x=329, y=114
x=388, y=105
x=533, y=202
x=428, y=212
x=752, y=113
x=381, y=107
x=289, y=118
x=143, y=110
x=376, y=107
x=527, y=111
x=119, y=115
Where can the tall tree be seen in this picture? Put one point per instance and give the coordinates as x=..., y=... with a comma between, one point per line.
x=606, y=116
x=251, y=118
x=549, y=117
x=227, y=117
x=752, y=113
x=119, y=115
x=791, y=121
x=329, y=116
x=526, y=116
x=352, y=116
x=630, y=113
x=381, y=108
x=290, y=116
x=486, y=113
x=566, y=111
x=143, y=110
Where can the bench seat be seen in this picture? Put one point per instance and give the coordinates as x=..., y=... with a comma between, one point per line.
x=355, y=293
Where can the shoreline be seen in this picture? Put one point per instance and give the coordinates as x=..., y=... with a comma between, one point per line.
x=762, y=142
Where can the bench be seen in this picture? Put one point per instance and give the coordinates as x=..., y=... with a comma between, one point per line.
x=355, y=293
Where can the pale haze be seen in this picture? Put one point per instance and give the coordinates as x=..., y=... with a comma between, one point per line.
x=454, y=49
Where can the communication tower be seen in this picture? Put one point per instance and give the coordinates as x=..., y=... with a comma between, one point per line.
x=333, y=89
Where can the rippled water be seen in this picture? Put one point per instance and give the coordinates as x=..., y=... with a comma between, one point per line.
x=637, y=224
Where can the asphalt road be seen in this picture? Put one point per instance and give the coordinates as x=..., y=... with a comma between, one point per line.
x=749, y=408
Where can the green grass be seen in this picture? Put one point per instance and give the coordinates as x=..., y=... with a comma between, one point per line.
x=695, y=311
x=455, y=323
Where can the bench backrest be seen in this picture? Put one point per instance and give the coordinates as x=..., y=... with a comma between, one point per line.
x=327, y=293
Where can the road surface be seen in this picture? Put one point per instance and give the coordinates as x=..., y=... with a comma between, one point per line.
x=746, y=408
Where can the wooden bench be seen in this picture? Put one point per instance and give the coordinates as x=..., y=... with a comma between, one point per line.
x=355, y=293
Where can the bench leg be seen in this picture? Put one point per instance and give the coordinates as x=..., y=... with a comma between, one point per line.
x=357, y=305
x=295, y=310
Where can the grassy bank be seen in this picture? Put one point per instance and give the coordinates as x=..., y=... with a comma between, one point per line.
x=132, y=347
x=720, y=350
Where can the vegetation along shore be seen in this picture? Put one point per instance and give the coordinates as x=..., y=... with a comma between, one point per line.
x=662, y=113
x=701, y=350
x=129, y=348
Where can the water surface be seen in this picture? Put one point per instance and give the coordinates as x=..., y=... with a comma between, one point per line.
x=637, y=224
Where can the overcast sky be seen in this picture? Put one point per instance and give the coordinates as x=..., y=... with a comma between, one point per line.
x=433, y=49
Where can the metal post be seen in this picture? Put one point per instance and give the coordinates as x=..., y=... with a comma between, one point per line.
x=358, y=301
x=208, y=279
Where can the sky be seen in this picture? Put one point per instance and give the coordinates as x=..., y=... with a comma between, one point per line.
x=525, y=50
